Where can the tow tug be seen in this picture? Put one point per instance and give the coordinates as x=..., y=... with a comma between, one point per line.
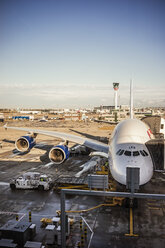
x=32, y=180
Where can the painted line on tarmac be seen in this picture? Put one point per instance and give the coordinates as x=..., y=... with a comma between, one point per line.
x=22, y=217
x=4, y=184
x=10, y=213
x=24, y=214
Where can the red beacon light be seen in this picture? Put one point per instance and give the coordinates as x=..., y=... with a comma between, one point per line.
x=116, y=86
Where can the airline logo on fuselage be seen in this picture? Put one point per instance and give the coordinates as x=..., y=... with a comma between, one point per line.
x=149, y=133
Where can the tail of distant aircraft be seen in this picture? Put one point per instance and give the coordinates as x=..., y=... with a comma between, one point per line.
x=131, y=99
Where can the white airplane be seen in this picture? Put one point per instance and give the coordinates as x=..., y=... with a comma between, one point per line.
x=126, y=147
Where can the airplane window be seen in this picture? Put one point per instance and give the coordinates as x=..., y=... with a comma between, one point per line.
x=142, y=153
x=136, y=153
x=121, y=152
x=118, y=152
x=145, y=153
x=127, y=153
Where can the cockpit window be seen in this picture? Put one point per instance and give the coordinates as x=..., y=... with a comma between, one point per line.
x=119, y=152
x=136, y=153
x=145, y=153
x=142, y=153
x=127, y=153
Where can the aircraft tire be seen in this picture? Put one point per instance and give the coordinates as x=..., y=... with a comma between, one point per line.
x=12, y=186
x=41, y=188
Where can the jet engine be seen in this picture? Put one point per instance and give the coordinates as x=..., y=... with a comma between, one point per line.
x=25, y=143
x=58, y=154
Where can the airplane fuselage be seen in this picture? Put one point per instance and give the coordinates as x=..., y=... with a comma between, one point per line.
x=127, y=149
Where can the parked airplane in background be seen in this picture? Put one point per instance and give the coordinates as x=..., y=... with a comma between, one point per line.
x=43, y=119
x=126, y=147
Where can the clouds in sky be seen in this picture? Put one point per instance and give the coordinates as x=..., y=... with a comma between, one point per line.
x=76, y=95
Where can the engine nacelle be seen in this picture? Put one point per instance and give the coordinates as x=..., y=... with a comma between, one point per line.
x=25, y=143
x=58, y=154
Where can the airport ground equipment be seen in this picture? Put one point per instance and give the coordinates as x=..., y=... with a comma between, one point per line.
x=79, y=183
x=19, y=232
x=32, y=180
x=7, y=243
x=97, y=193
x=96, y=180
x=46, y=221
x=17, y=217
x=50, y=234
x=103, y=170
x=53, y=229
x=30, y=244
x=114, y=203
x=93, y=181
x=30, y=216
x=131, y=233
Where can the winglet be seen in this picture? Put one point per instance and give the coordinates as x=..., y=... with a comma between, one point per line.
x=131, y=99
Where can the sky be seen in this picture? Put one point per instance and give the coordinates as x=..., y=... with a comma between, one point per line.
x=68, y=53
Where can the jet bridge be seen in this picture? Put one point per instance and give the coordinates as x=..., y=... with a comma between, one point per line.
x=156, y=148
x=155, y=124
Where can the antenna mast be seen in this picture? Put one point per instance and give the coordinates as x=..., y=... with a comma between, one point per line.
x=131, y=99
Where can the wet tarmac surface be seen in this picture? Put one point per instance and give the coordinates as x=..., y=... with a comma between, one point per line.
x=109, y=224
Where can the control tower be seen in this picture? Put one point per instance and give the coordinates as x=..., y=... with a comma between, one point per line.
x=116, y=87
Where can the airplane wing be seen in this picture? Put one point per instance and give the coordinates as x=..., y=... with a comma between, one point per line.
x=93, y=144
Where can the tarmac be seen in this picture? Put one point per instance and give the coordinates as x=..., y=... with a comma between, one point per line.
x=108, y=224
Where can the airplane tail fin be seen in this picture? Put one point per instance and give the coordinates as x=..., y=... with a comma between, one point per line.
x=131, y=100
